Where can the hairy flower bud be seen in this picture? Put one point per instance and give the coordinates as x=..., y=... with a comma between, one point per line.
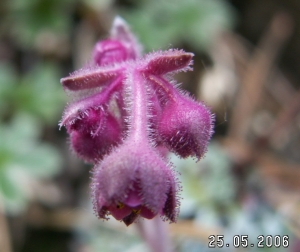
x=186, y=127
x=108, y=51
x=94, y=134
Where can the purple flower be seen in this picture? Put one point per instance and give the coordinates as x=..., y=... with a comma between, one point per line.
x=127, y=114
x=135, y=180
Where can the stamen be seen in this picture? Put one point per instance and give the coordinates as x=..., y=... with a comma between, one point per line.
x=136, y=211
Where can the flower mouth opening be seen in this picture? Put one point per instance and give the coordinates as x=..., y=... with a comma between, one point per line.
x=128, y=214
x=130, y=209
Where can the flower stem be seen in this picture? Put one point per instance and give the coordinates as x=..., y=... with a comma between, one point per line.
x=155, y=234
x=139, y=110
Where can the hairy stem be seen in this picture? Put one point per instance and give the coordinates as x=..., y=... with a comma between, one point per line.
x=139, y=108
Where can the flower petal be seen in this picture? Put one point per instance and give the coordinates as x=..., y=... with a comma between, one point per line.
x=147, y=213
x=119, y=212
x=171, y=208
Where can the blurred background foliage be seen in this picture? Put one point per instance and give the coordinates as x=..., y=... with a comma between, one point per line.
x=162, y=24
x=246, y=68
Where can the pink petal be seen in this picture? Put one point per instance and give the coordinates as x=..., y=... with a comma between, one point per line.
x=147, y=213
x=119, y=213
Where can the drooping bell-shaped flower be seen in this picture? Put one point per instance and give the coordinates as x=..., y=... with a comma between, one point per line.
x=127, y=113
x=135, y=181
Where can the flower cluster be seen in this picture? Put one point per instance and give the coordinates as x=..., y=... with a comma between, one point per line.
x=127, y=114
